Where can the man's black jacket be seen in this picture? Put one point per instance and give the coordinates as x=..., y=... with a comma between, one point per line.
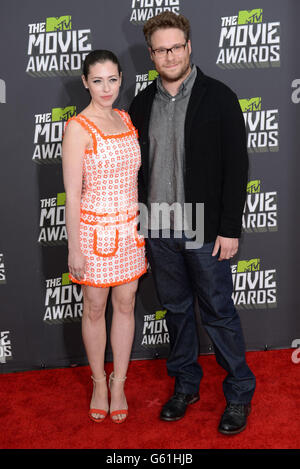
x=216, y=159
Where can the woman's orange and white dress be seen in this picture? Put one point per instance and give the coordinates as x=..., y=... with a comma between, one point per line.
x=114, y=251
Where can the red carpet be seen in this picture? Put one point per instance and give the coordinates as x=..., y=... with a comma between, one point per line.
x=49, y=409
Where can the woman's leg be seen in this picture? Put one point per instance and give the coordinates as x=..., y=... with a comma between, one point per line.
x=94, y=338
x=122, y=334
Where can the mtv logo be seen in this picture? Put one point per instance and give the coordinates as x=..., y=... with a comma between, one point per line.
x=61, y=198
x=160, y=314
x=2, y=92
x=250, y=16
x=251, y=104
x=63, y=113
x=152, y=74
x=58, y=23
x=248, y=266
x=65, y=280
x=253, y=187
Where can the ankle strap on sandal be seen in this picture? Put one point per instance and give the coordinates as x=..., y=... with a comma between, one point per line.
x=98, y=380
x=112, y=377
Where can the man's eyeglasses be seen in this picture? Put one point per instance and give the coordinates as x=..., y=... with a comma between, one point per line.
x=163, y=51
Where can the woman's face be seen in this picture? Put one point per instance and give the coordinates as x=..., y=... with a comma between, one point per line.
x=103, y=82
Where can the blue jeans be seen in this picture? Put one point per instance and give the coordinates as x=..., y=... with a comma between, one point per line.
x=179, y=275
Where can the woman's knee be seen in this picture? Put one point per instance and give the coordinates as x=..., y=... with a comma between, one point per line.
x=123, y=298
x=94, y=305
x=124, y=303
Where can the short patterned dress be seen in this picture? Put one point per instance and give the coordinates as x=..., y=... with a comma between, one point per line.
x=115, y=252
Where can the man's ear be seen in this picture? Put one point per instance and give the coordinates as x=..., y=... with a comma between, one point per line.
x=151, y=53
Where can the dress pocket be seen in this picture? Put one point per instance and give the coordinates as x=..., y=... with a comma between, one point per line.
x=106, y=241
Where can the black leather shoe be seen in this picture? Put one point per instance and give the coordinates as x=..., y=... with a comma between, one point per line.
x=175, y=408
x=234, y=419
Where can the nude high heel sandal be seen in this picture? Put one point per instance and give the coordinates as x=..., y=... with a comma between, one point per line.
x=98, y=411
x=121, y=411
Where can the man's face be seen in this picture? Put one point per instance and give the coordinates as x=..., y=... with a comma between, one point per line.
x=171, y=66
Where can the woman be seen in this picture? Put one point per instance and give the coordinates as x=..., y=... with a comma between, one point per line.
x=101, y=158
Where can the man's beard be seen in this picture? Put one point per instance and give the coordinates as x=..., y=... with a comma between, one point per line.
x=172, y=79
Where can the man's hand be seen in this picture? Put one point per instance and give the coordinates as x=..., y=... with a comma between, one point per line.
x=228, y=246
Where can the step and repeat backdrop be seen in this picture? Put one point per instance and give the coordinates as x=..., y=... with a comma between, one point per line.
x=254, y=48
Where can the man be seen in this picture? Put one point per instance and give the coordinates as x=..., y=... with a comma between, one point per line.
x=193, y=144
